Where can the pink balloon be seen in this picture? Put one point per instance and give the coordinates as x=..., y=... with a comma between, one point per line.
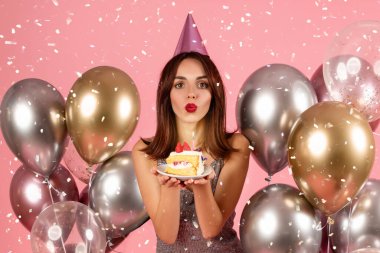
x=319, y=85
x=76, y=164
x=83, y=196
x=30, y=193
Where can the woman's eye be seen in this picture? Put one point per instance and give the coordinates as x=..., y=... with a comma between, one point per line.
x=203, y=85
x=178, y=85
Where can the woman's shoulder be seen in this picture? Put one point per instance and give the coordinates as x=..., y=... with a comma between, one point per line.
x=238, y=140
x=141, y=144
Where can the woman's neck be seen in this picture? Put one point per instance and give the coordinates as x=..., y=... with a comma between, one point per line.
x=191, y=133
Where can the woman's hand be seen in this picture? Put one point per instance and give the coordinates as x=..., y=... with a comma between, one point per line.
x=165, y=180
x=201, y=181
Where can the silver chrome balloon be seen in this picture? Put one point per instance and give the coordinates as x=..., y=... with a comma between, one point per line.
x=33, y=124
x=115, y=195
x=269, y=102
x=356, y=228
x=278, y=219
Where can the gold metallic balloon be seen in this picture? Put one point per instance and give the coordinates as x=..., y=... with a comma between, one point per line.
x=331, y=151
x=102, y=110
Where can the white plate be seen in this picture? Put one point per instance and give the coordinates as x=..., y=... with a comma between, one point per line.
x=161, y=169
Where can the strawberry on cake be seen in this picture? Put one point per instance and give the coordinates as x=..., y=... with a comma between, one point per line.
x=184, y=161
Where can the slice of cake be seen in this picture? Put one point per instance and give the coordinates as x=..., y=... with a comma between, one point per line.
x=184, y=162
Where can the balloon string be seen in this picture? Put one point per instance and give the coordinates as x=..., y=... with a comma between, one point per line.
x=46, y=181
x=88, y=245
x=55, y=214
x=328, y=233
x=349, y=226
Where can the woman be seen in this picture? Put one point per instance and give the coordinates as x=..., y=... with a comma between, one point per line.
x=195, y=215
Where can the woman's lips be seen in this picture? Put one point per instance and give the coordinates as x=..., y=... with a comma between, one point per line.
x=190, y=107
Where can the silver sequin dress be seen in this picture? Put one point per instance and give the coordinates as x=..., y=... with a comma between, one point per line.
x=190, y=238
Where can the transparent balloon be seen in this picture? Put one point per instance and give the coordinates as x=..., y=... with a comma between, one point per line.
x=80, y=225
x=352, y=67
x=318, y=83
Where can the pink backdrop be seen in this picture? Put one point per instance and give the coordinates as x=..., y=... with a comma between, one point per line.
x=57, y=40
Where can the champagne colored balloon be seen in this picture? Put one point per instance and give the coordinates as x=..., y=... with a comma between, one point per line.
x=102, y=111
x=355, y=80
x=356, y=227
x=83, y=226
x=30, y=193
x=114, y=194
x=279, y=219
x=319, y=85
x=269, y=102
x=33, y=124
x=331, y=151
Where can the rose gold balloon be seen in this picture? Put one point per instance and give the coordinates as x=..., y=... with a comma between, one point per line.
x=102, y=110
x=331, y=152
x=30, y=193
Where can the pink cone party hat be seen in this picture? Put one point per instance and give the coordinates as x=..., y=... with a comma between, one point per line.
x=190, y=39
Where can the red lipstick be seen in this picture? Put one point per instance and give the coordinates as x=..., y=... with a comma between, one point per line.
x=190, y=107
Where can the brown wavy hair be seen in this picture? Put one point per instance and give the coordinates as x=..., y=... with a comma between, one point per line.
x=215, y=141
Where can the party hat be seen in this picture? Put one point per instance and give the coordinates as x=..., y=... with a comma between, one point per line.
x=190, y=39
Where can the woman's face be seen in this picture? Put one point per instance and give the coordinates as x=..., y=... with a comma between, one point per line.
x=190, y=95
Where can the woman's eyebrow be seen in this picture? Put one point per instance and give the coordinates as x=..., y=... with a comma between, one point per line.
x=201, y=77
x=184, y=78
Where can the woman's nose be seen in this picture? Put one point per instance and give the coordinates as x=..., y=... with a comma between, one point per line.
x=191, y=95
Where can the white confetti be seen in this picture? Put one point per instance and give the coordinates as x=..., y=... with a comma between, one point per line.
x=8, y=42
